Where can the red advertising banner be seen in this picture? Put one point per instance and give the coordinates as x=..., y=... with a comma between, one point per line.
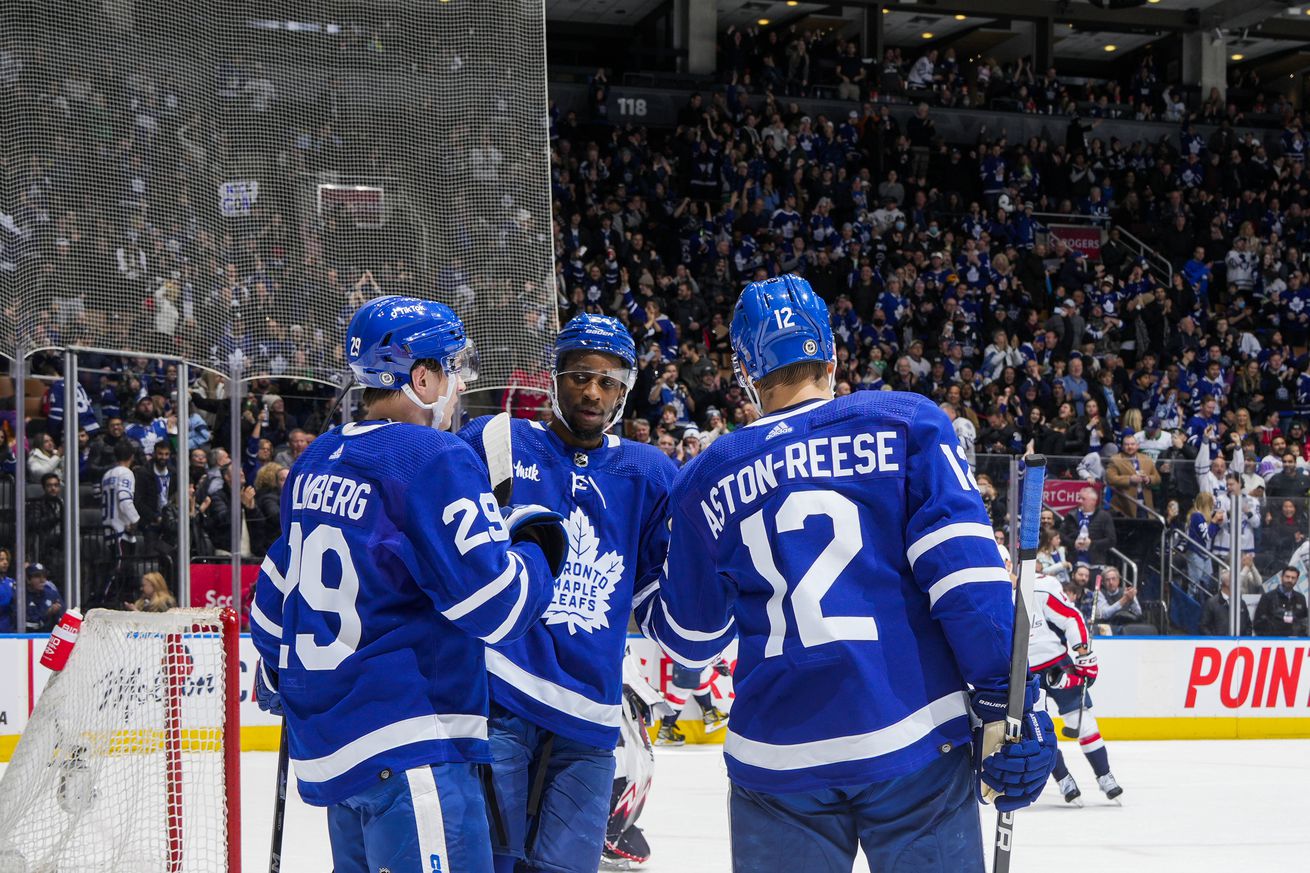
x=1062, y=494
x=1082, y=239
x=211, y=585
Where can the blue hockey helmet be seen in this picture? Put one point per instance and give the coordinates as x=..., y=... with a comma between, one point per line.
x=596, y=333
x=389, y=335
x=778, y=322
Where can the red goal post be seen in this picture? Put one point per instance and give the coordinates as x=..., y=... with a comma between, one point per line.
x=131, y=758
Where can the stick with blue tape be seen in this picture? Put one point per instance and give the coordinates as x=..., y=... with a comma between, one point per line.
x=1030, y=517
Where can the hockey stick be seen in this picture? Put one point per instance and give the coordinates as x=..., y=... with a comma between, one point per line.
x=499, y=449
x=279, y=802
x=1030, y=514
x=1075, y=733
x=283, y=754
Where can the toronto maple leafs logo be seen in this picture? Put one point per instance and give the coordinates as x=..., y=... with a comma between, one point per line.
x=582, y=591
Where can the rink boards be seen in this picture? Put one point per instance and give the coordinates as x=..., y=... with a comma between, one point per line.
x=1155, y=688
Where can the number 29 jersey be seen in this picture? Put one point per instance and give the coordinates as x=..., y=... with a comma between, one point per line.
x=844, y=541
x=393, y=573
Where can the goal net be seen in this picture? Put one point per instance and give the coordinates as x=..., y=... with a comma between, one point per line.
x=231, y=180
x=129, y=762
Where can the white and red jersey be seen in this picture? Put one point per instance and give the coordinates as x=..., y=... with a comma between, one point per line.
x=1057, y=625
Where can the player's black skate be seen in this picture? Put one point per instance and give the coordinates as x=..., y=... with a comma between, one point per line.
x=1111, y=788
x=628, y=852
x=670, y=735
x=1069, y=788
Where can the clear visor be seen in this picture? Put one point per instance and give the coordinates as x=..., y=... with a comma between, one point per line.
x=616, y=379
x=464, y=363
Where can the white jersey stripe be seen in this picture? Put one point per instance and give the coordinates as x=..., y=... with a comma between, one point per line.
x=555, y=696
x=859, y=747
x=428, y=819
x=512, y=619
x=486, y=592
x=959, y=530
x=257, y=616
x=269, y=569
x=692, y=636
x=421, y=729
x=965, y=577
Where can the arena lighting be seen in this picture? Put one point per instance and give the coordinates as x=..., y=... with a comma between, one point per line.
x=926, y=35
x=1236, y=57
x=961, y=17
x=1116, y=4
x=1111, y=48
x=793, y=2
x=762, y=22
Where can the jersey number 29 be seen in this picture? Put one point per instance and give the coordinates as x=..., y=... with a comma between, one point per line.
x=812, y=626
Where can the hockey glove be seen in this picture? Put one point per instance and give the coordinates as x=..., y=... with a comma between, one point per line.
x=989, y=708
x=266, y=694
x=1084, y=665
x=1018, y=771
x=532, y=523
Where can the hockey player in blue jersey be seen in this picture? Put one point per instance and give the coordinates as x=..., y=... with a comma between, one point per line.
x=845, y=543
x=372, y=613
x=557, y=692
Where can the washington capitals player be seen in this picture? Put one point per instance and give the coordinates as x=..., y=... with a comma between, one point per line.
x=557, y=692
x=394, y=570
x=844, y=541
x=1060, y=654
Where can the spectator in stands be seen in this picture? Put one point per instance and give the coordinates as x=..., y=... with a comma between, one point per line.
x=1051, y=559
x=155, y=596
x=154, y=492
x=1282, y=612
x=1282, y=532
x=1117, y=603
x=1290, y=481
x=45, y=458
x=46, y=519
x=8, y=588
x=1089, y=528
x=297, y=441
x=1133, y=478
x=851, y=73
x=1216, y=615
x=264, y=510
x=44, y=603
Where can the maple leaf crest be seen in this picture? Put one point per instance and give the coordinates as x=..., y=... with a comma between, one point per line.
x=582, y=591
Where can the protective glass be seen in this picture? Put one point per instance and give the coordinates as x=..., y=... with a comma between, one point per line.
x=616, y=379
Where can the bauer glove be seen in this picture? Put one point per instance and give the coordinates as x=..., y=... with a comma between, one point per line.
x=266, y=694
x=990, y=746
x=532, y=523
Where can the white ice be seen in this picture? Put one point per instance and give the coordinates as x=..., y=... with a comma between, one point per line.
x=1197, y=806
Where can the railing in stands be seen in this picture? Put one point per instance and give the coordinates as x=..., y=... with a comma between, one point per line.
x=1157, y=263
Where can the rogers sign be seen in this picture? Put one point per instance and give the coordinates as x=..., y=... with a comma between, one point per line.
x=1085, y=241
x=1249, y=677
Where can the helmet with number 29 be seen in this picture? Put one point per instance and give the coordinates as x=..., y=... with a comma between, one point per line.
x=776, y=323
x=389, y=335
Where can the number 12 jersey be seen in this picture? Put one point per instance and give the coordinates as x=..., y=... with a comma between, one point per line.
x=845, y=542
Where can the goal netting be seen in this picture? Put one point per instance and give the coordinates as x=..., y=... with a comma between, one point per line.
x=129, y=762
x=220, y=180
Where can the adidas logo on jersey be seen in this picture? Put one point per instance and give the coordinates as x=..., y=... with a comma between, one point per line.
x=779, y=429
x=336, y=453
x=532, y=474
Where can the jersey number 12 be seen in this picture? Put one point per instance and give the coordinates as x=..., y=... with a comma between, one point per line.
x=812, y=626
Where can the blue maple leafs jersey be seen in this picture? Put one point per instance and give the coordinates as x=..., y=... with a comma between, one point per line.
x=845, y=543
x=566, y=672
x=393, y=572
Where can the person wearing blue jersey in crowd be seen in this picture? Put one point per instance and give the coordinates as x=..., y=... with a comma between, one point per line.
x=557, y=691
x=845, y=544
x=394, y=571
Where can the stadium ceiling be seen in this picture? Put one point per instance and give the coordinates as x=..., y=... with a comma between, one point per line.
x=1263, y=19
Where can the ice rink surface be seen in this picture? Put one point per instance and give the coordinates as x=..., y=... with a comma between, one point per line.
x=1196, y=806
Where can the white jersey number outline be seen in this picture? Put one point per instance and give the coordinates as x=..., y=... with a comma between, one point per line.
x=812, y=626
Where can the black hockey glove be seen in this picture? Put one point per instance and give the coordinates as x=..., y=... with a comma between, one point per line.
x=532, y=523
